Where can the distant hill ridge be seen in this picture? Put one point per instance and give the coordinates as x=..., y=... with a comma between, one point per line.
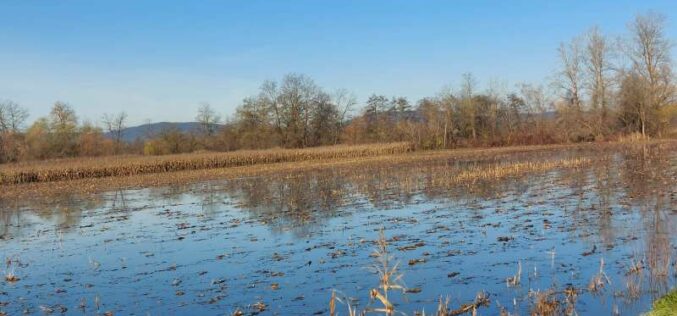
x=146, y=131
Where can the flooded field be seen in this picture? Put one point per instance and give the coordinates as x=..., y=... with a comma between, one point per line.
x=597, y=237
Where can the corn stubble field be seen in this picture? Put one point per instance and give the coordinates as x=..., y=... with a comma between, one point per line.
x=83, y=168
x=87, y=175
x=124, y=166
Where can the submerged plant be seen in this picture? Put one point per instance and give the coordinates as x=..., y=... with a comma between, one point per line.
x=515, y=279
x=9, y=271
x=11, y=277
x=598, y=281
x=481, y=300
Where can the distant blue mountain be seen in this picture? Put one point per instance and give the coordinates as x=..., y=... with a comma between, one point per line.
x=146, y=131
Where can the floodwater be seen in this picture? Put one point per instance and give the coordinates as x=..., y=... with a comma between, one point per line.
x=281, y=243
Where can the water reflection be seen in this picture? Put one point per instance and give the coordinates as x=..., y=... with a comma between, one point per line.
x=624, y=196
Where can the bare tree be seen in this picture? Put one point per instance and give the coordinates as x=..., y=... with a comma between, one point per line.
x=598, y=69
x=570, y=74
x=375, y=121
x=270, y=96
x=62, y=118
x=298, y=96
x=468, y=107
x=12, y=116
x=537, y=103
x=115, y=125
x=208, y=119
x=12, y=119
x=649, y=52
x=447, y=101
x=344, y=101
x=494, y=92
x=632, y=96
x=63, y=125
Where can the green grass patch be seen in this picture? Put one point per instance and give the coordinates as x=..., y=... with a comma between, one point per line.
x=666, y=305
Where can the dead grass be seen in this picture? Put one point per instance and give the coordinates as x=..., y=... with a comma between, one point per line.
x=632, y=138
x=503, y=170
x=545, y=303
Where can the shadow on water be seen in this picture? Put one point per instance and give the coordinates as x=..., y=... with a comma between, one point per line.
x=283, y=242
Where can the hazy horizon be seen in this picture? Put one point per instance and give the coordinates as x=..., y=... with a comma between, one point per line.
x=160, y=60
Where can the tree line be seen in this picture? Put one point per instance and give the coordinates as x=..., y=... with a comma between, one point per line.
x=604, y=88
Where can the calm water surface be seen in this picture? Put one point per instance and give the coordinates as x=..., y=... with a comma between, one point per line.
x=288, y=240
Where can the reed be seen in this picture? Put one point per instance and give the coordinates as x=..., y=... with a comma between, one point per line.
x=599, y=281
x=545, y=303
x=389, y=277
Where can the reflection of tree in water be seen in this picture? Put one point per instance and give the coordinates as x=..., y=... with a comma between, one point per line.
x=658, y=226
x=649, y=175
x=302, y=201
x=289, y=202
x=210, y=200
x=297, y=202
x=173, y=194
x=647, y=171
x=63, y=212
x=11, y=218
x=605, y=179
x=119, y=202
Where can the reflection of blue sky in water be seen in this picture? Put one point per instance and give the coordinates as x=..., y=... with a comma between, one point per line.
x=213, y=247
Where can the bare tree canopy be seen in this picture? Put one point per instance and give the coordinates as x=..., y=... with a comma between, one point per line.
x=208, y=119
x=569, y=81
x=63, y=118
x=115, y=124
x=12, y=117
x=598, y=70
x=649, y=51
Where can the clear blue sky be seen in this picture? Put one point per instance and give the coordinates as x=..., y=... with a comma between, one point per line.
x=159, y=59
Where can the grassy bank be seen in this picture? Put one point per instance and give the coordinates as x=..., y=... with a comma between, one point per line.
x=666, y=305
